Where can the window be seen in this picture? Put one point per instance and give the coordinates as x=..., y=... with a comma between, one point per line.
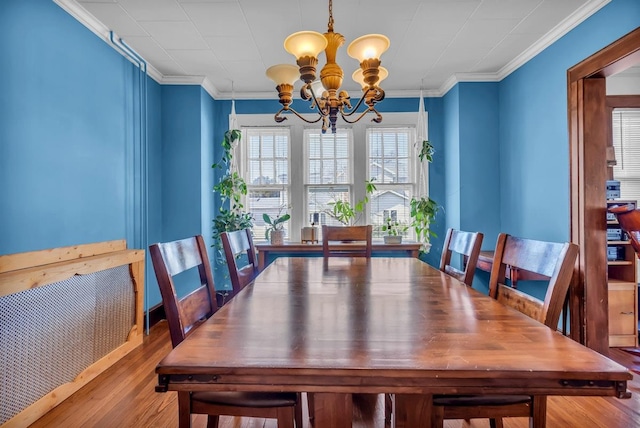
x=391, y=167
x=626, y=143
x=328, y=173
x=295, y=165
x=266, y=172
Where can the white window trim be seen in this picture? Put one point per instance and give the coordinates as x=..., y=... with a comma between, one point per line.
x=297, y=156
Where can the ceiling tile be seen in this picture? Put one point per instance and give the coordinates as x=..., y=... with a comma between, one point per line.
x=115, y=18
x=154, y=10
x=198, y=62
x=175, y=35
x=505, y=9
x=240, y=48
x=217, y=19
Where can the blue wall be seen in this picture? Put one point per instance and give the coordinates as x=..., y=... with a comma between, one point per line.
x=68, y=135
x=66, y=114
x=533, y=133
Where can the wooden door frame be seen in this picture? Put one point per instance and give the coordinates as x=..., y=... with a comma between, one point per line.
x=587, y=115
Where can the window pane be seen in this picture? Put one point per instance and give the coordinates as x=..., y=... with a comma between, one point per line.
x=267, y=174
x=626, y=142
x=390, y=154
x=390, y=202
x=329, y=157
x=318, y=199
x=272, y=201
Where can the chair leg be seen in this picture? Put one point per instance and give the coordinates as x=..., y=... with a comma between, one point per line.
x=496, y=423
x=437, y=416
x=285, y=416
x=311, y=406
x=184, y=409
x=212, y=421
x=388, y=407
x=298, y=411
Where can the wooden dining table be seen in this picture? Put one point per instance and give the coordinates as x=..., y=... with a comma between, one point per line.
x=340, y=326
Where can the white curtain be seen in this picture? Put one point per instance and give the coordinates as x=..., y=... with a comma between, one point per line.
x=421, y=135
x=233, y=124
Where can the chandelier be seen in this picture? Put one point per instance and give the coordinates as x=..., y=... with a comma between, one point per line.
x=325, y=94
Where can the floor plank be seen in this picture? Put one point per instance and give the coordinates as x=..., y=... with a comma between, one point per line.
x=124, y=396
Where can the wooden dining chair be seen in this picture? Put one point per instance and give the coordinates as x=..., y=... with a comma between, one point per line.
x=555, y=261
x=236, y=245
x=185, y=314
x=351, y=236
x=468, y=245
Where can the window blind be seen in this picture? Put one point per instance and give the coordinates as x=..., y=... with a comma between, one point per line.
x=626, y=143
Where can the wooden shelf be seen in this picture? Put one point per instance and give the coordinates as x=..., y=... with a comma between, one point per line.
x=620, y=262
x=622, y=289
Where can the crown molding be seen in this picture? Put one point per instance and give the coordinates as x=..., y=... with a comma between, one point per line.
x=568, y=24
x=99, y=29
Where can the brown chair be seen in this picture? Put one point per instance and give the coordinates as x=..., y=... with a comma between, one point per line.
x=555, y=261
x=237, y=244
x=629, y=219
x=468, y=245
x=185, y=314
x=351, y=236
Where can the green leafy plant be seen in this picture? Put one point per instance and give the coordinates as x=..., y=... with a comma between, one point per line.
x=347, y=214
x=231, y=187
x=426, y=151
x=424, y=209
x=423, y=213
x=394, y=227
x=273, y=224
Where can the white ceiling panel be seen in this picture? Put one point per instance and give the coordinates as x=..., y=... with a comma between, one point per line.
x=175, y=35
x=433, y=42
x=116, y=18
x=239, y=48
x=154, y=10
x=505, y=9
x=197, y=62
x=217, y=19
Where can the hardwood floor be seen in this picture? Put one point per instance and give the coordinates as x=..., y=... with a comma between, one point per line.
x=124, y=396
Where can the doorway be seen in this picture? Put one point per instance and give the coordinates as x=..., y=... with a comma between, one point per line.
x=587, y=112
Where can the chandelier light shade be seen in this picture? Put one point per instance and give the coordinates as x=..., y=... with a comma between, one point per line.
x=358, y=77
x=325, y=95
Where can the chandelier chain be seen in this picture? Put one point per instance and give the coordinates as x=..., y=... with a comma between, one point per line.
x=330, y=25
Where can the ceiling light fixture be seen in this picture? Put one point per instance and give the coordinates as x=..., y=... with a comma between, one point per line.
x=325, y=94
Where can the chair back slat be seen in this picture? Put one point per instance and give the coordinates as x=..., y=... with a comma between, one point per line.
x=184, y=313
x=556, y=261
x=467, y=244
x=350, y=236
x=180, y=255
x=236, y=244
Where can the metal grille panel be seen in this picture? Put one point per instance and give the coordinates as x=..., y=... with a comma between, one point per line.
x=49, y=334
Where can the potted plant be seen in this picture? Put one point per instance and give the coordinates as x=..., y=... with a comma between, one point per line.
x=424, y=209
x=275, y=228
x=347, y=214
x=394, y=230
x=231, y=187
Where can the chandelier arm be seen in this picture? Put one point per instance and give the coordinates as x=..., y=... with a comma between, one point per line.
x=376, y=119
x=278, y=118
x=360, y=116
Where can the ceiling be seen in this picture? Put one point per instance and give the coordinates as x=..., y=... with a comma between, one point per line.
x=226, y=45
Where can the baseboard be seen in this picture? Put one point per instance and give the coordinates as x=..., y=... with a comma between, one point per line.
x=155, y=314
